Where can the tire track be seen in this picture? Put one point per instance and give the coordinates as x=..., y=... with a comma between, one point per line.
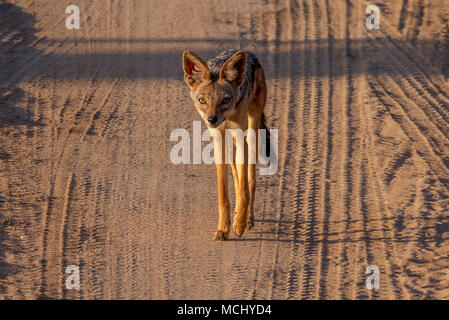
x=418, y=118
x=355, y=202
x=414, y=131
x=302, y=176
x=90, y=98
x=376, y=215
x=416, y=21
x=324, y=259
x=418, y=140
x=293, y=149
x=71, y=182
x=418, y=66
x=313, y=161
x=348, y=147
x=435, y=109
x=70, y=144
x=403, y=15
x=52, y=200
x=396, y=163
x=36, y=56
x=267, y=21
x=374, y=239
x=258, y=33
x=383, y=206
x=283, y=154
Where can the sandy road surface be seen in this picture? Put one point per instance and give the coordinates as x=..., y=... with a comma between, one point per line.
x=86, y=178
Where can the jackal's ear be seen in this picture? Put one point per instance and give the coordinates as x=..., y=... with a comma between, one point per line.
x=234, y=69
x=195, y=70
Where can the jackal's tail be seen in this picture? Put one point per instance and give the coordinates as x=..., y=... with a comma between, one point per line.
x=263, y=125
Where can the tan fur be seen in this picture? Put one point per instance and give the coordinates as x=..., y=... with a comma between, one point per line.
x=243, y=116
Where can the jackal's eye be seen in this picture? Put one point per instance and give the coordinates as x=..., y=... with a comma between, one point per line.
x=226, y=101
x=201, y=100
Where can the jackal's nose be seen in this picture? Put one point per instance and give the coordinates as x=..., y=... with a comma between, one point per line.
x=212, y=119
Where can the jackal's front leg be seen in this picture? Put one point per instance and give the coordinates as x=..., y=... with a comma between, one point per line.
x=222, y=232
x=224, y=218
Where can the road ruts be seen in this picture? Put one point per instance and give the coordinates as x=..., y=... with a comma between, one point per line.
x=86, y=177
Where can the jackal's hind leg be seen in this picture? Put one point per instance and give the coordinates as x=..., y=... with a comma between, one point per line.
x=255, y=112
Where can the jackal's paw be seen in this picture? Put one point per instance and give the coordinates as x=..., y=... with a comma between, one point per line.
x=239, y=226
x=221, y=235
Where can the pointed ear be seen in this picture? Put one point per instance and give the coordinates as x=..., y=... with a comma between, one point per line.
x=195, y=70
x=234, y=69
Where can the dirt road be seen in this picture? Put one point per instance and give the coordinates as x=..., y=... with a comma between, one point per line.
x=86, y=177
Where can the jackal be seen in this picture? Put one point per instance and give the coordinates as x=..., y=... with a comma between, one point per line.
x=229, y=92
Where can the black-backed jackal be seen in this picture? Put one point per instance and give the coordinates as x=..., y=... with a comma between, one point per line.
x=229, y=92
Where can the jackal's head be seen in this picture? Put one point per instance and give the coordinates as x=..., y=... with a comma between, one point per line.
x=214, y=94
